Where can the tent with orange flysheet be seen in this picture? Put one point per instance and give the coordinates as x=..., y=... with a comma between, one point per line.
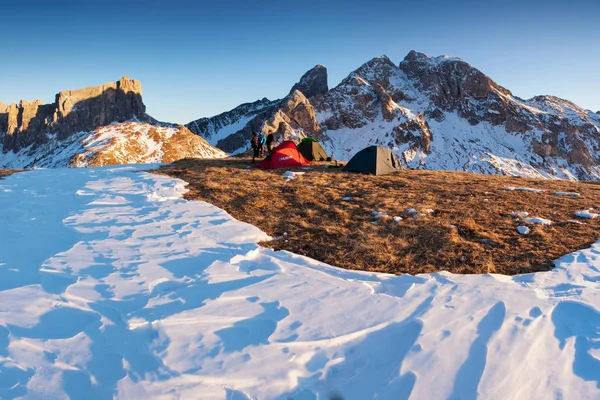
x=282, y=156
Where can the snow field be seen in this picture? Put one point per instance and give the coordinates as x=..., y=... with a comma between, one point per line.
x=111, y=285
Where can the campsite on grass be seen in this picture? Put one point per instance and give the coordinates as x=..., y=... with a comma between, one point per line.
x=407, y=222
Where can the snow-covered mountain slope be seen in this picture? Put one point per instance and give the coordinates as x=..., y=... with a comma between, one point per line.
x=122, y=143
x=230, y=130
x=112, y=286
x=442, y=113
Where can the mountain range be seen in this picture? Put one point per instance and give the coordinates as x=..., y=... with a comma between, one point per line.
x=433, y=112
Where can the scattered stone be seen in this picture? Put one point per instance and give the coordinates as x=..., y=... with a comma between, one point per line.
x=378, y=214
x=574, y=221
x=586, y=214
x=537, y=220
x=570, y=194
x=523, y=230
x=523, y=189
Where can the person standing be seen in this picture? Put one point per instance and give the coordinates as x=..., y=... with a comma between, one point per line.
x=254, y=142
x=270, y=139
x=261, y=144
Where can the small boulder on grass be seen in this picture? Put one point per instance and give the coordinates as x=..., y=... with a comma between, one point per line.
x=586, y=214
x=523, y=230
x=569, y=194
x=379, y=214
x=537, y=220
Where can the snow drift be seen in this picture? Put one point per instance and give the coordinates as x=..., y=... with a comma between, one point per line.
x=111, y=285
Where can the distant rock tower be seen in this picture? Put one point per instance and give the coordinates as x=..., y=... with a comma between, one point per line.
x=30, y=122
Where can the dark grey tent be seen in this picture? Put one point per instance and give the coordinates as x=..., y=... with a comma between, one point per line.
x=312, y=151
x=374, y=160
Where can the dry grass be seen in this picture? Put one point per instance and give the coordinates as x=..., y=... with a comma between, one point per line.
x=470, y=231
x=6, y=172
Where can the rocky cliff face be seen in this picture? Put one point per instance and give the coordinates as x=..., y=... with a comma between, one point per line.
x=313, y=82
x=86, y=128
x=442, y=113
x=33, y=123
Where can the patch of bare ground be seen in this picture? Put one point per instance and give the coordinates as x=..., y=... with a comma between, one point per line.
x=327, y=214
x=6, y=172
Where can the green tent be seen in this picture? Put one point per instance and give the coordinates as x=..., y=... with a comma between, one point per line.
x=312, y=151
x=374, y=160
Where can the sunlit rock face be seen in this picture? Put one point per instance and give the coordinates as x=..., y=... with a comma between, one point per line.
x=32, y=122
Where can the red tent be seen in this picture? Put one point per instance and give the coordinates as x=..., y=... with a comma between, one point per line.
x=284, y=155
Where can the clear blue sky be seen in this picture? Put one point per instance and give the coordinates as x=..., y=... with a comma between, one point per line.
x=200, y=58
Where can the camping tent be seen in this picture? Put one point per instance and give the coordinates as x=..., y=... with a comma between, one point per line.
x=284, y=155
x=312, y=151
x=375, y=160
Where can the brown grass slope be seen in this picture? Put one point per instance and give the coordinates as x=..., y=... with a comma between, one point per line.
x=470, y=231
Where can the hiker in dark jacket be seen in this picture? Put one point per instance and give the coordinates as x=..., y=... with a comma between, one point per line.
x=270, y=138
x=261, y=144
x=254, y=142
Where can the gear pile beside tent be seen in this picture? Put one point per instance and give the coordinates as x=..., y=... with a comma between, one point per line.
x=283, y=156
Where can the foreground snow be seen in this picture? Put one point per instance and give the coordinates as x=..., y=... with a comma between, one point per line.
x=111, y=285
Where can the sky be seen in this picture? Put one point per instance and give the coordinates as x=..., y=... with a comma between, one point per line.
x=201, y=58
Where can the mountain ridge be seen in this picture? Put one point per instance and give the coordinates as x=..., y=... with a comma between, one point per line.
x=442, y=113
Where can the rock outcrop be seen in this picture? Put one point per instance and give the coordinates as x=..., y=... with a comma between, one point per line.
x=32, y=122
x=313, y=82
x=294, y=119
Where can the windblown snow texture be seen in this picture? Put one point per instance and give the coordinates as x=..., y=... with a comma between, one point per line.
x=112, y=286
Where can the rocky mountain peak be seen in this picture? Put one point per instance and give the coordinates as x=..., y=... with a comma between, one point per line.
x=414, y=55
x=377, y=62
x=30, y=122
x=313, y=82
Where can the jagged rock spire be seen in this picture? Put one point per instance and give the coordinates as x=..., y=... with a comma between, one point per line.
x=313, y=82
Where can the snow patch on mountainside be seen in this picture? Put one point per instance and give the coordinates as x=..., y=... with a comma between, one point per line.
x=52, y=154
x=121, y=143
x=456, y=145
